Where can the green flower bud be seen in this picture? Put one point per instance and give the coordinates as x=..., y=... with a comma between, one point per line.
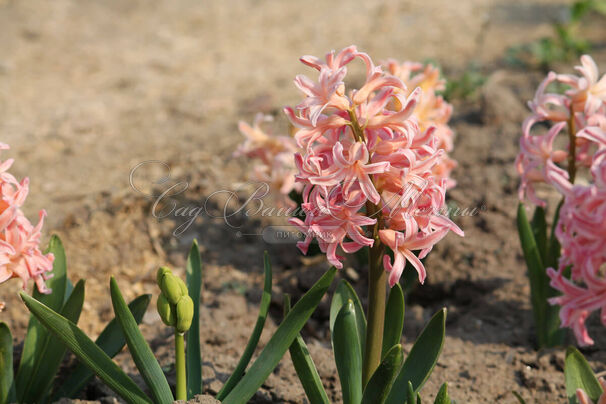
x=160, y=274
x=166, y=311
x=185, y=313
x=183, y=287
x=171, y=288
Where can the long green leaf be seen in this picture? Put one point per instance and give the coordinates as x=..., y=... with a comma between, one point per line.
x=238, y=373
x=382, y=379
x=86, y=351
x=578, y=375
x=50, y=361
x=536, y=274
x=7, y=392
x=443, y=397
x=556, y=335
x=553, y=249
x=111, y=341
x=348, y=354
x=422, y=358
x=410, y=394
x=280, y=341
x=141, y=352
x=539, y=231
x=546, y=316
x=193, y=360
x=305, y=367
x=394, y=319
x=344, y=293
x=37, y=337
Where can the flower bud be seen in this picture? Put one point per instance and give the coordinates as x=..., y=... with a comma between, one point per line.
x=160, y=274
x=185, y=313
x=166, y=311
x=183, y=287
x=171, y=288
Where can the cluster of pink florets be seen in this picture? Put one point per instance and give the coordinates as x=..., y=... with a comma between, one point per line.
x=274, y=154
x=574, y=146
x=366, y=157
x=431, y=109
x=20, y=255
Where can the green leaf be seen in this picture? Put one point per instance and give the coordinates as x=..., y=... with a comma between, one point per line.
x=69, y=287
x=599, y=6
x=579, y=9
x=37, y=336
x=342, y=295
x=305, y=367
x=422, y=358
x=236, y=376
x=348, y=354
x=86, y=350
x=443, y=397
x=394, y=319
x=553, y=250
x=556, y=335
x=193, y=359
x=382, y=379
x=280, y=341
x=111, y=341
x=539, y=231
x=7, y=387
x=578, y=375
x=410, y=394
x=50, y=359
x=546, y=316
x=141, y=352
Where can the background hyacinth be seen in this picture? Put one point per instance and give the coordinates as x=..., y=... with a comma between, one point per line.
x=20, y=255
x=276, y=167
x=569, y=156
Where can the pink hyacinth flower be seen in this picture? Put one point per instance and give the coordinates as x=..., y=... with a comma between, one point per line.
x=20, y=255
x=368, y=152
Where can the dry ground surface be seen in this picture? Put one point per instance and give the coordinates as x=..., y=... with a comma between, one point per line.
x=88, y=90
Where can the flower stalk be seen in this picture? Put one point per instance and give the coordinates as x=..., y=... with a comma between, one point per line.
x=377, y=287
x=181, y=389
x=176, y=310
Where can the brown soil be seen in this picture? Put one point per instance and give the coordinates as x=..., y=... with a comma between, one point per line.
x=90, y=89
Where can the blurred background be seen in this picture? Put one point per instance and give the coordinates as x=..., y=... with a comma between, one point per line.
x=89, y=89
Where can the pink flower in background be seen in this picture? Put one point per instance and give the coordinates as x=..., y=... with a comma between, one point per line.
x=274, y=154
x=381, y=147
x=20, y=255
x=432, y=110
x=548, y=159
x=537, y=160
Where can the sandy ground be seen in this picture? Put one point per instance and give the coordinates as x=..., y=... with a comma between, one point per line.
x=89, y=90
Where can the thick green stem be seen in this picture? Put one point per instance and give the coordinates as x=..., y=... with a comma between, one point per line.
x=377, y=291
x=181, y=389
